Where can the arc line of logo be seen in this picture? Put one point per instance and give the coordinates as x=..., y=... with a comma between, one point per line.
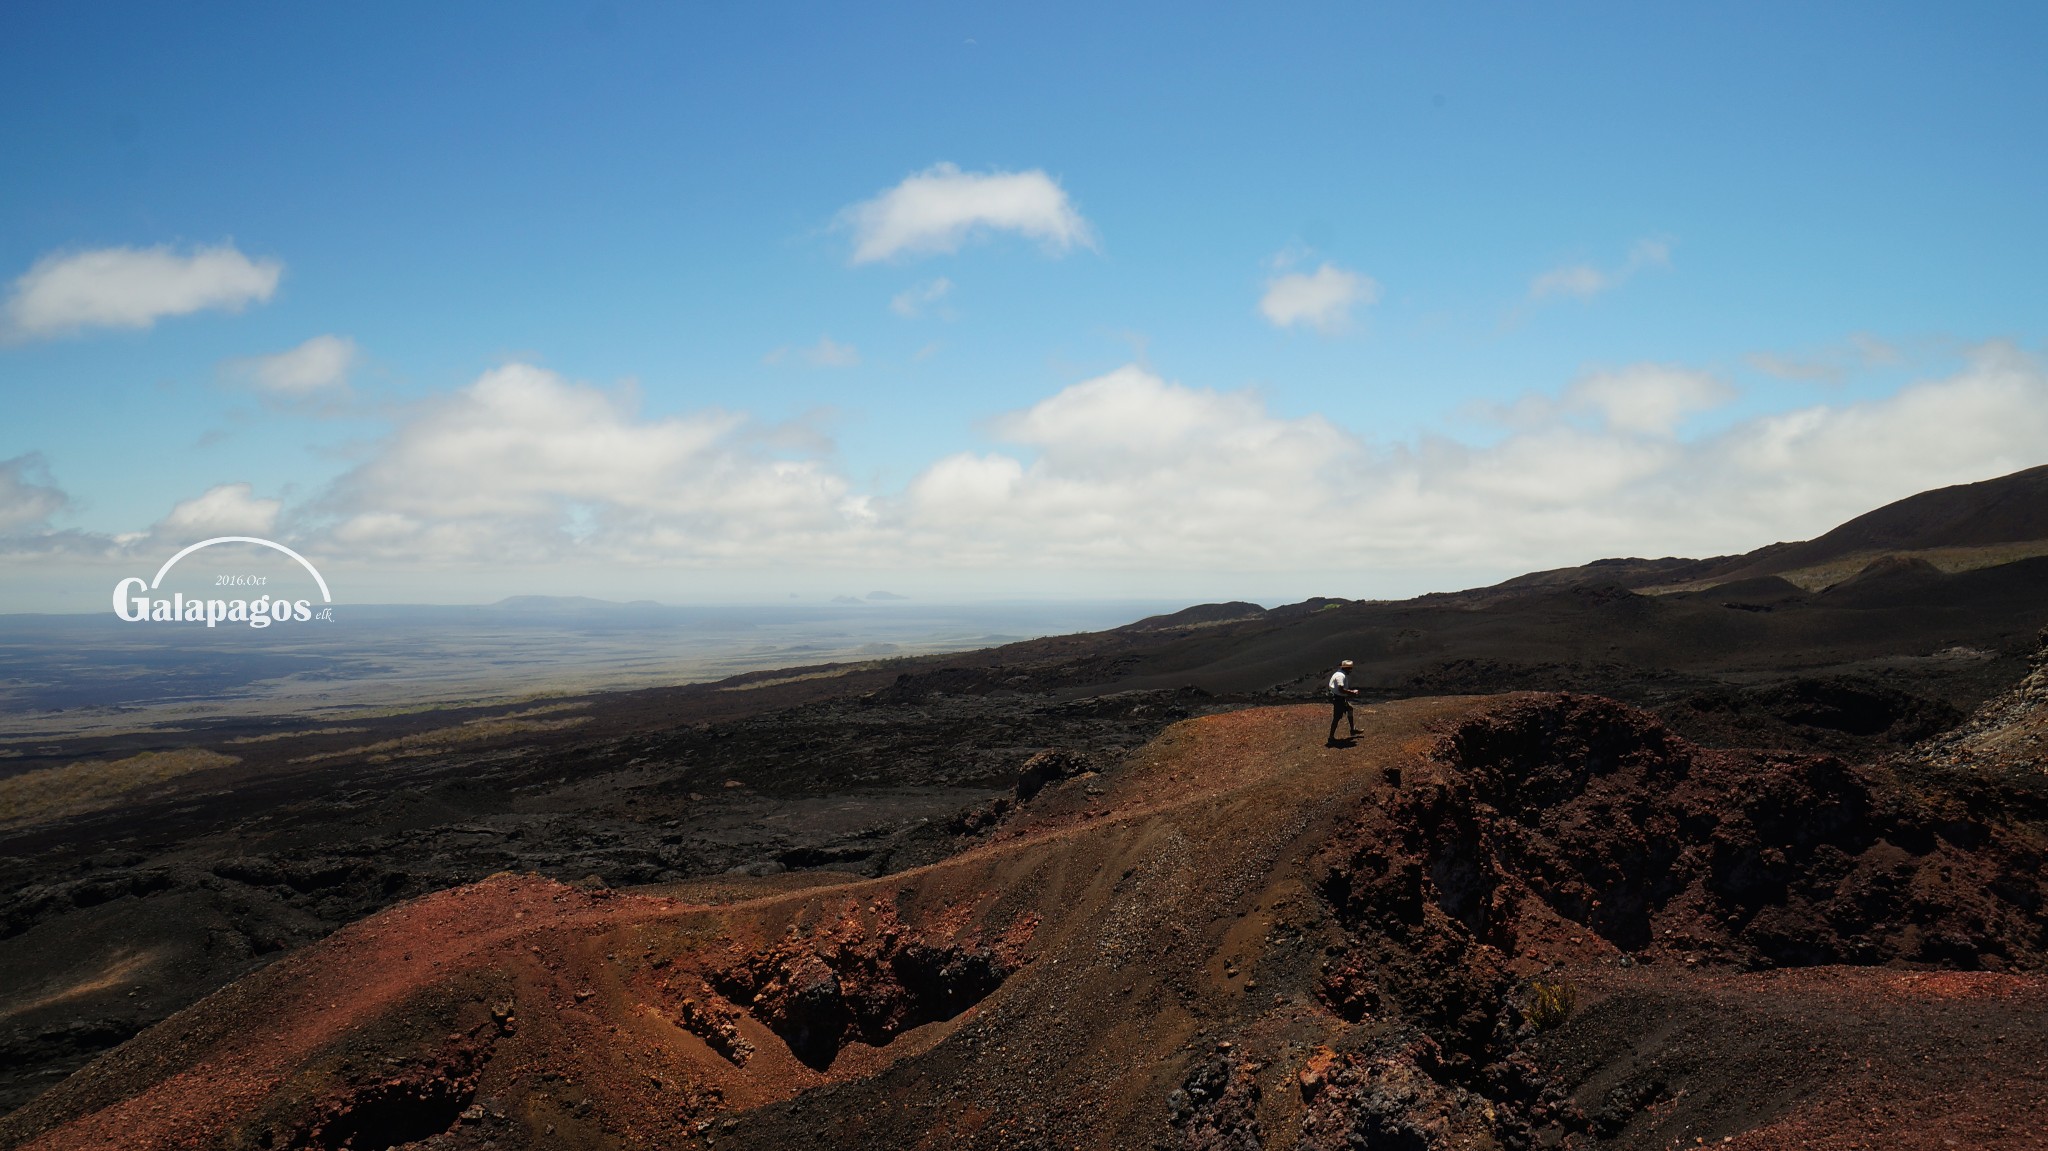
x=162, y=571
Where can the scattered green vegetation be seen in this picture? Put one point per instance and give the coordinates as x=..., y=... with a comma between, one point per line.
x=1549, y=1003
x=447, y=738
x=55, y=792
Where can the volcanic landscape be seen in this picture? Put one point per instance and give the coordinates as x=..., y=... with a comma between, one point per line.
x=1744, y=852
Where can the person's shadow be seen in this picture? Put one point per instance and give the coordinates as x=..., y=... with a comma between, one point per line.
x=1342, y=741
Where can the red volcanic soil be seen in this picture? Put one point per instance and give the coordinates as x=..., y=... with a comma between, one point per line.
x=1522, y=921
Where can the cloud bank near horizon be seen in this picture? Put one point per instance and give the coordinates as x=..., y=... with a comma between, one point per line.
x=1125, y=472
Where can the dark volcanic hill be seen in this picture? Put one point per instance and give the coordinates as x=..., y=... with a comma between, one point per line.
x=2010, y=509
x=1199, y=614
x=1974, y=524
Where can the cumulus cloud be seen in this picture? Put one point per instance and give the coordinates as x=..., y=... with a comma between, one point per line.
x=1585, y=280
x=28, y=496
x=1824, y=463
x=321, y=365
x=29, y=500
x=222, y=510
x=910, y=303
x=523, y=465
x=1644, y=399
x=1125, y=472
x=66, y=292
x=1131, y=470
x=1647, y=398
x=826, y=353
x=940, y=208
x=1321, y=299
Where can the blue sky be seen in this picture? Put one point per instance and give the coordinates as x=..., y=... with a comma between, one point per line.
x=1569, y=280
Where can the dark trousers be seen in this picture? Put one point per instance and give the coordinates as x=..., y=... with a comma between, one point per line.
x=1340, y=712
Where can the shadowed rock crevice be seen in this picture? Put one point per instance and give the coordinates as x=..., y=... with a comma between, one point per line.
x=866, y=978
x=1216, y=1106
x=414, y=1100
x=1385, y=1099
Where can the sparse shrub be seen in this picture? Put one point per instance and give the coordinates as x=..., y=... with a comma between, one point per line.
x=1549, y=1003
x=54, y=792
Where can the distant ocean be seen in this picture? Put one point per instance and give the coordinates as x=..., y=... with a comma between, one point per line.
x=64, y=674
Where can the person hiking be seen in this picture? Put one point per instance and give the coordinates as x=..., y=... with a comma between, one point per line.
x=1341, y=693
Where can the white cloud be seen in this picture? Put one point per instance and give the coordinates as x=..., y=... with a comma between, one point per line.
x=222, y=510
x=132, y=288
x=826, y=353
x=1823, y=464
x=28, y=496
x=965, y=483
x=28, y=499
x=1648, y=398
x=321, y=364
x=1831, y=365
x=1321, y=299
x=910, y=303
x=940, y=208
x=1585, y=280
x=523, y=466
x=1571, y=280
x=1128, y=473
x=1132, y=471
